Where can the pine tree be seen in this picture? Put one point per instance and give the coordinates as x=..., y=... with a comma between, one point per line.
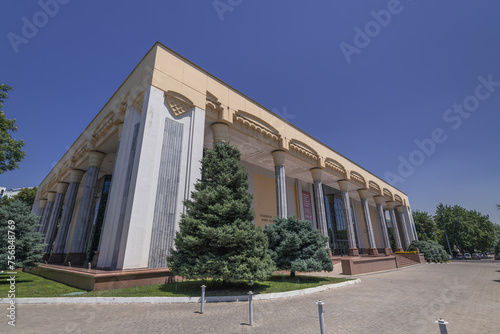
x=27, y=242
x=296, y=245
x=217, y=238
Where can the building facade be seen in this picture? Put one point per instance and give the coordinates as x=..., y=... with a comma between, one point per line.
x=115, y=197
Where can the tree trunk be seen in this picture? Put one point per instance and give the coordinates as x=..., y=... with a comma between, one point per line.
x=292, y=273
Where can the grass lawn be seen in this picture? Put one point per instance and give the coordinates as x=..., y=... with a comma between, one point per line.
x=28, y=285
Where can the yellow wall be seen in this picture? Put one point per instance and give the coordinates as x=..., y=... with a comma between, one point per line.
x=362, y=225
x=265, y=199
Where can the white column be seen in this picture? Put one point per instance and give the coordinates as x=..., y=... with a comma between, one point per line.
x=43, y=204
x=363, y=194
x=54, y=217
x=80, y=240
x=395, y=228
x=114, y=226
x=319, y=201
x=404, y=223
x=279, y=169
x=51, y=196
x=379, y=200
x=351, y=238
x=413, y=230
x=67, y=215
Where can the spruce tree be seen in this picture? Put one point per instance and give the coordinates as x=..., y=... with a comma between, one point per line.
x=27, y=242
x=216, y=237
x=296, y=245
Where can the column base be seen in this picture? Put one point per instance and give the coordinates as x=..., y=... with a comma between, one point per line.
x=399, y=250
x=387, y=251
x=45, y=257
x=373, y=251
x=76, y=259
x=353, y=252
x=57, y=258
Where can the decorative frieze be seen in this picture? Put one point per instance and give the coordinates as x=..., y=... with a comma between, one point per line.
x=103, y=130
x=356, y=177
x=178, y=103
x=304, y=152
x=374, y=186
x=335, y=167
x=387, y=193
x=138, y=102
x=80, y=153
x=398, y=198
x=255, y=126
x=213, y=103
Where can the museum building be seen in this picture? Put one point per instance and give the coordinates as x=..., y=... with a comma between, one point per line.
x=115, y=198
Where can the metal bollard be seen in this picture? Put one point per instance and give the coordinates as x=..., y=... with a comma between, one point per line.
x=250, y=307
x=90, y=266
x=442, y=325
x=202, y=299
x=321, y=316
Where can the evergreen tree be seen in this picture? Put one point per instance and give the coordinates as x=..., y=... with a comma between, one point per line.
x=27, y=242
x=296, y=245
x=217, y=238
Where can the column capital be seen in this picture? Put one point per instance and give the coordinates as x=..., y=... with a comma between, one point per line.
x=363, y=193
x=316, y=173
x=76, y=175
x=279, y=157
x=51, y=196
x=343, y=185
x=220, y=132
x=379, y=200
x=391, y=205
x=95, y=158
x=43, y=203
x=62, y=187
x=400, y=208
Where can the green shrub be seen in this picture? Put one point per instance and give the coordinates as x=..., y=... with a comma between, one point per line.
x=431, y=249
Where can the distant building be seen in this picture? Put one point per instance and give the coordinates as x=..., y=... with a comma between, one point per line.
x=119, y=189
x=4, y=192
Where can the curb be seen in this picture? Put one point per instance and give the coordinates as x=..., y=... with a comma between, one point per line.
x=171, y=300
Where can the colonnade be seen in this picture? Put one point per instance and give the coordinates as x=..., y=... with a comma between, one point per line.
x=220, y=134
x=69, y=243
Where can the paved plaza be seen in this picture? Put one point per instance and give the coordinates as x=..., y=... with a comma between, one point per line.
x=401, y=301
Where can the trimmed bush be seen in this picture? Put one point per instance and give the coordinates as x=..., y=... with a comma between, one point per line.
x=431, y=249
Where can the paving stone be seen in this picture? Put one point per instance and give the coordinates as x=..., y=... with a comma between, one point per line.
x=401, y=301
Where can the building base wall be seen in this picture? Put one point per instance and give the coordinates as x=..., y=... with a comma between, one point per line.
x=368, y=264
x=98, y=280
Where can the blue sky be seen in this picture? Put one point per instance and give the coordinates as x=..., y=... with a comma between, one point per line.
x=368, y=78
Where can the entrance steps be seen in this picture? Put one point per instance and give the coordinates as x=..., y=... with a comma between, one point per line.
x=404, y=261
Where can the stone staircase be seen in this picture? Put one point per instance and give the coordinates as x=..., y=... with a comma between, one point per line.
x=403, y=261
